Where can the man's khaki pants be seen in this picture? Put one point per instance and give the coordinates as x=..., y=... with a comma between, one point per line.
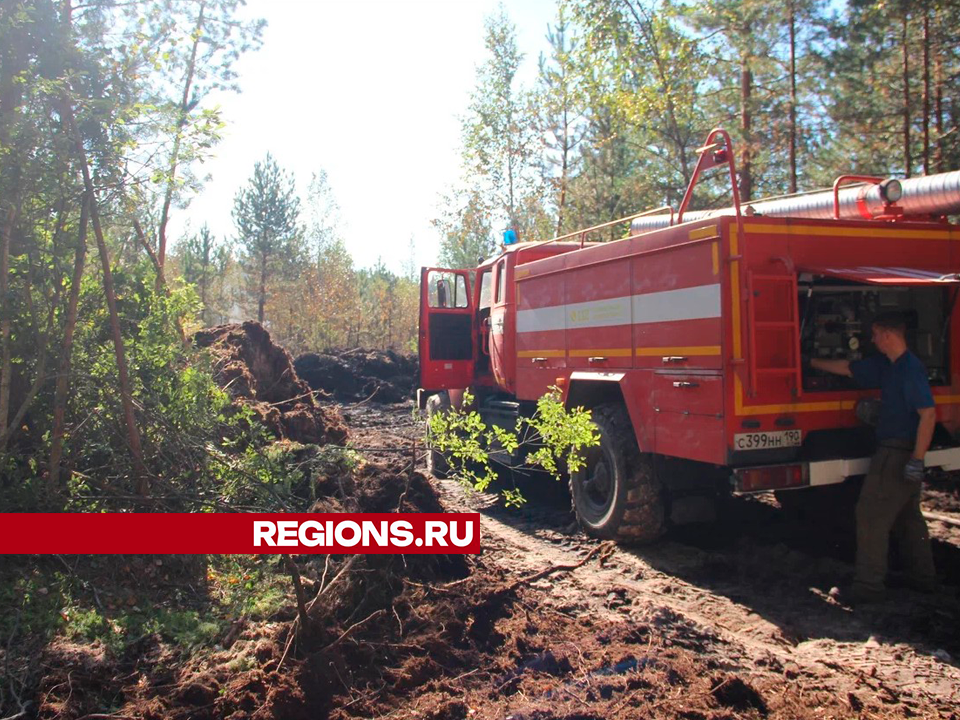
x=890, y=504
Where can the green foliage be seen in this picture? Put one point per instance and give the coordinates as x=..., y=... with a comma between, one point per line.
x=630, y=88
x=466, y=230
x=98, y=599
x=552, y=439
x=205, y=452
x=558, y=434
x=502, y=185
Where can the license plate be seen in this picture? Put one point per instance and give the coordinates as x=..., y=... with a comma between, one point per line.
x=767, y=440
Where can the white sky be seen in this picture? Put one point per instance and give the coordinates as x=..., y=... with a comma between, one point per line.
x=370, y=91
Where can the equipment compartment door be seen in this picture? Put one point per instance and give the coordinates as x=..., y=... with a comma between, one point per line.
x=446, y=329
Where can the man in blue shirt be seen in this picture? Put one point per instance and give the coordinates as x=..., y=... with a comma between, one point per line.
x=890, y=499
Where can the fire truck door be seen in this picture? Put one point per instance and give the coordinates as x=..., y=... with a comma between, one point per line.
x=501, y=337
x=446, y=329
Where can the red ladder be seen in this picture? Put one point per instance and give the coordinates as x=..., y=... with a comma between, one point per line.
x=774, y=331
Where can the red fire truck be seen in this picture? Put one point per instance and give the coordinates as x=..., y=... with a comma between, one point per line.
x=686, y=339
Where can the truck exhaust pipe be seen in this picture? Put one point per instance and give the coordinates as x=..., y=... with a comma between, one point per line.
x=928, y=195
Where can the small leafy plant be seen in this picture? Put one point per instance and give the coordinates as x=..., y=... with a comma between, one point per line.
x=552, y=439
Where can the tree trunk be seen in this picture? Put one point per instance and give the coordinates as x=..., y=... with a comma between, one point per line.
x=11, y=97
x=564, y=169
x=63, y=377
x=184, y=109
x=204, y=281
x=644, y=24
x=161, y=279
x=154, y=258
x=512, y=208
x=746, y=125
x=793, y=96
x=938, y=95
x=907, y=156
x=126, y=394
x=926, y=91
x=262, y=293
x=6, y=365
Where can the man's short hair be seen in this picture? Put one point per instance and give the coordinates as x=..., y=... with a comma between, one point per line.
x=891, y=321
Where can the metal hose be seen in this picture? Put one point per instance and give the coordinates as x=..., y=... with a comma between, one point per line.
x=929, y=195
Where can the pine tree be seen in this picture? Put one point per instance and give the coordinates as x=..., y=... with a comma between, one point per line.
x=266, y=213
x=202, y=261
x=559, y=105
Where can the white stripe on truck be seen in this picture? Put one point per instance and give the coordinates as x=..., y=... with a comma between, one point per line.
x=694, y=303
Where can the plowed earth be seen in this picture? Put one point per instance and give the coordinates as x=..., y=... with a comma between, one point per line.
x=727, y=621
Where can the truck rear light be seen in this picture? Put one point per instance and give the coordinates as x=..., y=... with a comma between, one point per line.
x=770, y=477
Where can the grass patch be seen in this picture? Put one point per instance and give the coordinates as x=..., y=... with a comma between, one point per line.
x=118, y=600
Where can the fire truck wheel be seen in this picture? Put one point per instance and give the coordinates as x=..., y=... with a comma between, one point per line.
x=436, y=463
x=617, y=495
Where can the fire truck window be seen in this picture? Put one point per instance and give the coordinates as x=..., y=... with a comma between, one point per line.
x=447, y=290
x=486, y=280
x=501, y=282
x=460, y=299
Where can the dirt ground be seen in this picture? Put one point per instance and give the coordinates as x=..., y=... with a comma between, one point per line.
x=732, y=620
x=726, y=620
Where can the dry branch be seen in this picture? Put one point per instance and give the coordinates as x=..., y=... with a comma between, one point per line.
x=942, y=518
x=605, y=550
x=298, y=588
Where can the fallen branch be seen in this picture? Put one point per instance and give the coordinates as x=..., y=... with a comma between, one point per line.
x=605, y=550
x=346, y=633
x=325, y=588
x=367, y=399
x=942, y=518
x=289, y=643
x=22, y=714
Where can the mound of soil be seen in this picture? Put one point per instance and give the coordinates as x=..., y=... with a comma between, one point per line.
x=260, y=374
x=267, y=668
x=382, y=376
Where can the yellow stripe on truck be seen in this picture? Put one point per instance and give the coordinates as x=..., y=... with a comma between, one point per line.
x=701, y=350
x=871, y=232
x=542, y=353
x=601, y=352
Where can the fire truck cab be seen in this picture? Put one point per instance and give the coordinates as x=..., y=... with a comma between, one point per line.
x=687, y=340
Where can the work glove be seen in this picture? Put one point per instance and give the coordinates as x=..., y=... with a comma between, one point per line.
x=913, y=471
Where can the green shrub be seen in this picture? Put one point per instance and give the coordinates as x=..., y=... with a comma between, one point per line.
x=553, y=439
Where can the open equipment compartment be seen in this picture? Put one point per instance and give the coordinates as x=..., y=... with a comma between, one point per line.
x=837, y=309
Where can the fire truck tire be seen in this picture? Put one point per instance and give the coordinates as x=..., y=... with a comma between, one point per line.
x=437, y=464
x=617, y=495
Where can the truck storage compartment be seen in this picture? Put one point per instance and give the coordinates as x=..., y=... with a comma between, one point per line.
x=837, y=308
